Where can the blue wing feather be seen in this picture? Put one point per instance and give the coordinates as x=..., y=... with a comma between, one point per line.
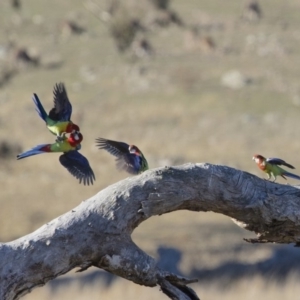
x=34, y=151
x=78, y=166
x=278, y=161
x=62, y=109
x=291, y=175
x=39, y=107
x=115, y=148
x=130, y=163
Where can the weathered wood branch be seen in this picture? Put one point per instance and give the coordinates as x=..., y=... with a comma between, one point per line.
x=98, y=231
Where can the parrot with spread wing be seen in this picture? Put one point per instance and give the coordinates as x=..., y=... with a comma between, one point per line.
x=59, y=119
x=271, y=167
x=71, y=159
x=129, y=157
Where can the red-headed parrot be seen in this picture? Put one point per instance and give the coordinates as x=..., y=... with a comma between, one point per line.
x=271, y=167
x=71, y=159
x=129, y=157
x=59, y=119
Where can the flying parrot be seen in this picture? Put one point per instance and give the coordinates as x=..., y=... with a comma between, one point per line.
x=71, y=159
x=129, y=157
x=271, y=167
x=59, y=119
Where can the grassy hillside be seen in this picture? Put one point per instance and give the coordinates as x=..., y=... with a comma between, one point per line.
x=174, y=102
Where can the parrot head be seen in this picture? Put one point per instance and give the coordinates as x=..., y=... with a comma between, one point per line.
x=258, y=158
x=134, y=150
x=75, y=138
x=72, y=127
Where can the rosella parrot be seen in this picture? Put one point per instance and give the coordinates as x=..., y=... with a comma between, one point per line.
x=59, y=119
x=71, y=159
x=129, y=157
x=271, y=167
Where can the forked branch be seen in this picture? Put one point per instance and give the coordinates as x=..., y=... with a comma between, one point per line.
x=98, y=231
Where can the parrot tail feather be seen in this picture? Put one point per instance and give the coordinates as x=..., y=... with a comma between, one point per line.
x=291, y=175
x=39, y=107
x=44, y=148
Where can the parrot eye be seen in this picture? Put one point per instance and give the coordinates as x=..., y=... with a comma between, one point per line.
x=76, y=137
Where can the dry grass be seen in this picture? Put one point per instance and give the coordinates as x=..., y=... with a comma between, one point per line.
x=172, y=106
x=248, y=289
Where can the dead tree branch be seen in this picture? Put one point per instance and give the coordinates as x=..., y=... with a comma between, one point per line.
x=98, y=231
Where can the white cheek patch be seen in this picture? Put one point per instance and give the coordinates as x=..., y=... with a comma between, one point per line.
x=76, y=137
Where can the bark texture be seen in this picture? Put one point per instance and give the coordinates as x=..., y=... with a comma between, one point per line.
x=98, y=231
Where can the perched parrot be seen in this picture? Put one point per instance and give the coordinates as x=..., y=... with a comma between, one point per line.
x=59, y=119
x=271, y=167
x=129, y=157
x=71, y=159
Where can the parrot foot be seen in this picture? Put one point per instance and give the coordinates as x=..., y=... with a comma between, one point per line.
x=60, y=138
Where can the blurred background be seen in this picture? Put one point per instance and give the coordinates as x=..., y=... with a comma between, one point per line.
x=187, y=81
